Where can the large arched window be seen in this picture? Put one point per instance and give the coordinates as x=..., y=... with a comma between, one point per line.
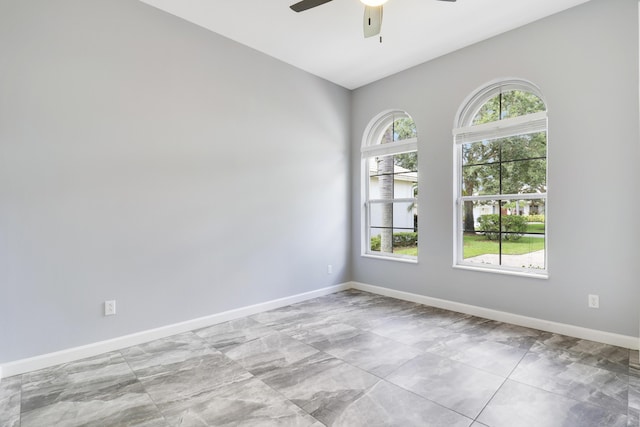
x=390, y=187
x=501, y=179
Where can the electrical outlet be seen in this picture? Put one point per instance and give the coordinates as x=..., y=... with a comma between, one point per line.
x=110, y=307
x=594, y=301
x=329, y=269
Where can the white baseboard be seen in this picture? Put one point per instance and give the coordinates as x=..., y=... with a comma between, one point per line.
x=515, y=319
x=69, y=355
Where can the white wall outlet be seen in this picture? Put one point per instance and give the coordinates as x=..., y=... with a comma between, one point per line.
x=594, y=301
x=329, y=269
x=110, y=307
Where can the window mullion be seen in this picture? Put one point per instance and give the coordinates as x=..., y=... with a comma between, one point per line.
x=402, y=200
x=505, y=197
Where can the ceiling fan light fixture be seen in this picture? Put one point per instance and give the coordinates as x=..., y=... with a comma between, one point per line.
x=373, y=3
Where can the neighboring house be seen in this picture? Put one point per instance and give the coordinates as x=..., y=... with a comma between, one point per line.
x=524, y=207
x=405, y=184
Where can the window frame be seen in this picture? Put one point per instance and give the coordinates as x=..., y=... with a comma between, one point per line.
x=465, y=132
x=370, y=149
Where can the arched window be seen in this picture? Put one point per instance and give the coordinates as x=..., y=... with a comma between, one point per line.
x=501, y=179
x=390, y=187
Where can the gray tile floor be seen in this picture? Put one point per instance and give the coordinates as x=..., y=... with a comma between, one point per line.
x=347, y=359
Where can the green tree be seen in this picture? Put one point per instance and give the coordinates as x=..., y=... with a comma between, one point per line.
x=385, y=166
x=405, y=128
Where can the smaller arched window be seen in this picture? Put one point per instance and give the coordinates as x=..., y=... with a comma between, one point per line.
x=390, y=187
x=501, y=179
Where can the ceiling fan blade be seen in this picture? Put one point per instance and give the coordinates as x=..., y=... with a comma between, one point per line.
x=372, y=20
x=307, y=4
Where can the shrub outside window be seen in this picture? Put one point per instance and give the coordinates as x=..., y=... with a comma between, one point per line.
x=390, y=187
x=501, y=180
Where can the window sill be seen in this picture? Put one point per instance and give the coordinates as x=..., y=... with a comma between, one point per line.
x=398, y=258
x=542, y=275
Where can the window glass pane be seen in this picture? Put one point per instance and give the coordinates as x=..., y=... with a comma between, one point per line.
x=407, y=161
x=481, y=180
x=520, y=147
x=517, y=103
x=536, y=208
x=519, y=248
x=480, y=153
x=479, y=236
x=393, y=176
x=473, y=210
x=511, y=236
x=399, y=242
x=393, y=164
x=524, y=177
x=522, y=160
x=533, y=258
x=400, y=129
x=508, y=104
x=534, y=211
x=397, y=215
x=381, y=177
x=394, y=228
x=489, y=112
x=478, y=250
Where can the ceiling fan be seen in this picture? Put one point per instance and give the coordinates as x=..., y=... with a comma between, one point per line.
x=372, y=13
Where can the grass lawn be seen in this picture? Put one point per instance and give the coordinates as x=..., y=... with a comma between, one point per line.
x=535, y=227
x=475, y=245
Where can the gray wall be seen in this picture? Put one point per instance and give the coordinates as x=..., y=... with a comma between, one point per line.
x=150, y=161
x=147, y=160
x=585, y=60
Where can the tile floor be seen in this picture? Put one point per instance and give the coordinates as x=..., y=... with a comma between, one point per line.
x=347, y=359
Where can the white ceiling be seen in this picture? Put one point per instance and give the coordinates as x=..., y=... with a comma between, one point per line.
x=327, y=41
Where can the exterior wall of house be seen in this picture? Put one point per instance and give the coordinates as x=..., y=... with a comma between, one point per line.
x=520, y=209
x=402, y=216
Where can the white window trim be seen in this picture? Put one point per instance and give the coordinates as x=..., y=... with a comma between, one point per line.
x=526, y=196
x=502, y=270
x=530, y=123
x=371, y=148
x=462, y=134
x=398, y=147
